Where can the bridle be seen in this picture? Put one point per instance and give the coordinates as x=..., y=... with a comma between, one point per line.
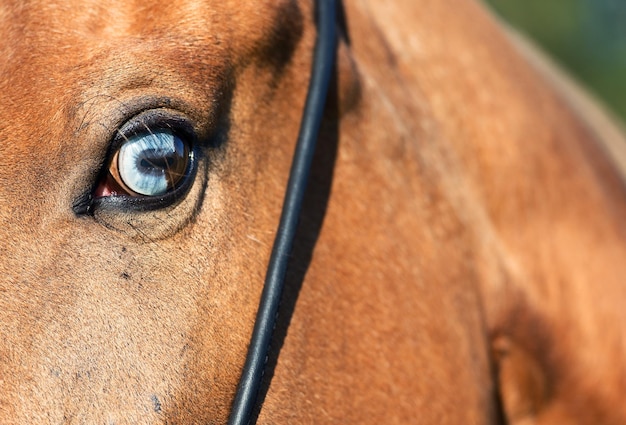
x=258, y=350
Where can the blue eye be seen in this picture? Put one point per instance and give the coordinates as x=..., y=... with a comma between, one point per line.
x=150, y=163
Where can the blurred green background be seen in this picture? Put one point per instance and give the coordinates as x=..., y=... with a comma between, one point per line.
x=588, y=37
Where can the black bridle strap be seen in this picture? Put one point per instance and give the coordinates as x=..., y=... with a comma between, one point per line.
x=323, y=61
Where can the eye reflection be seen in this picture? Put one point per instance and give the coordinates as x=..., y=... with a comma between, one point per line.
x=150, y=163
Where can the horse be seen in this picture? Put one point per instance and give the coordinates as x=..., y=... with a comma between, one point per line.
x=459, y=257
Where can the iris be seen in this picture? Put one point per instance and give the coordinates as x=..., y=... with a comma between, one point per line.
x=152, y=163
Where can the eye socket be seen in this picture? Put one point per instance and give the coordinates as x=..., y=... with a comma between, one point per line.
x=151, y=163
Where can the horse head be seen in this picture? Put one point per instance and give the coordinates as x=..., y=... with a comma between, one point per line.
x=458, y=259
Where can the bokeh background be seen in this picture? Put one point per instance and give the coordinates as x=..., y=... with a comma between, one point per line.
x=587, y=37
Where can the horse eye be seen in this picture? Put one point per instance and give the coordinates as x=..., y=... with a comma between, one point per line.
x=147, y=164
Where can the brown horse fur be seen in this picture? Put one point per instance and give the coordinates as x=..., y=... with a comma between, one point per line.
x=461, y=258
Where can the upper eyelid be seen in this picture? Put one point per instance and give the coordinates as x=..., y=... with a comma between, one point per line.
x=149, y=120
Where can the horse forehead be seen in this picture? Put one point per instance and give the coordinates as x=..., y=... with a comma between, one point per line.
x=60, y=54
x=59, y=34
x=117, y=18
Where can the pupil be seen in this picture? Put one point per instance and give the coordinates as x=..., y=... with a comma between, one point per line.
x=159, y=162
x=169, y=162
